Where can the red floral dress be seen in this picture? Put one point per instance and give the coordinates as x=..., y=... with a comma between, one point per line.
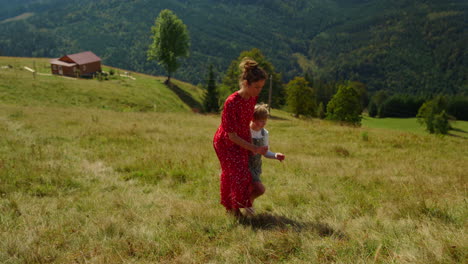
x=236, y=178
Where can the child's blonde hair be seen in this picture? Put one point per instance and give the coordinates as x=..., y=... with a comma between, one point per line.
x=261, y=112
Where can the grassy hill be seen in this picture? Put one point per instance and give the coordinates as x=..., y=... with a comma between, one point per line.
x=124, y=91
x=90, y=173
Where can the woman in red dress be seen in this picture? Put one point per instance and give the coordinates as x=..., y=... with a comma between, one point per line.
x=232, y=141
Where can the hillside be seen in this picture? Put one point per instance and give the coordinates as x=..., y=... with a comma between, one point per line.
x=401, y=46
x=121, y=171
x=414, y=47
x=124, y=91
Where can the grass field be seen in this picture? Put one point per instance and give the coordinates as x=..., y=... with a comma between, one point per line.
x=460, y=128
x=83, y=183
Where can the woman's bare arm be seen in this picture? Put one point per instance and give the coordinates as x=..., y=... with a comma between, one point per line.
x=247, y=145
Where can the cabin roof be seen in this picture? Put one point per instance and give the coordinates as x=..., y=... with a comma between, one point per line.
x=82, y=57
x=62, y=63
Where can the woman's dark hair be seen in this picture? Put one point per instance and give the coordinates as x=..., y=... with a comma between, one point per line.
x=251, y=72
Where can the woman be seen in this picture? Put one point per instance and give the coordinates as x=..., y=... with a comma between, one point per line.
x=232, y=141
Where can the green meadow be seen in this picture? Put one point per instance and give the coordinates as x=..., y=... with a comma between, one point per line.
x=122, y=171
x=460, y=128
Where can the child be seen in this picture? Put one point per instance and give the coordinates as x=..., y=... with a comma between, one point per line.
x=259, y=138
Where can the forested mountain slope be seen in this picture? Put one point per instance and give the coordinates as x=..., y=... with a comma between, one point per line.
x=415, y=46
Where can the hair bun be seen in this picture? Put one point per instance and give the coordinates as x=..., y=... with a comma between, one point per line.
x=250, y=71
x=247, y=64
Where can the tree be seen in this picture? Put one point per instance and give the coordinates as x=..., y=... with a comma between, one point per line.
x=372, y=109
x=376, y=102
x=361, y=89
x=400, y=105
x=231, y=78
x=433, y=114
x=321, y=111
x=300, y=97
x=324, y=91
x=211, y=99
x=345, y=106
x=170, y=41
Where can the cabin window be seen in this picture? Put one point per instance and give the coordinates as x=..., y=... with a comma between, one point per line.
x=84, y=67
x=54, y=67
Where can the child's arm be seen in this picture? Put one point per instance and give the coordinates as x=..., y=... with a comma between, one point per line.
x=272, y=155
x=269, y=154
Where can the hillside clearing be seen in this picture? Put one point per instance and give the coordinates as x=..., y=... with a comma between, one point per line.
x=100, y=186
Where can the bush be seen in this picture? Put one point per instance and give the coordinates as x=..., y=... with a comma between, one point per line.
x=433, y=114
x=441, y=123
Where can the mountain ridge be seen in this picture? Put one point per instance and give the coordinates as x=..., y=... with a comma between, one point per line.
x=340, y=39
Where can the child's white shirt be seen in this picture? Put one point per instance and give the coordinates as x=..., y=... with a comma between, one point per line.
x=258, y=135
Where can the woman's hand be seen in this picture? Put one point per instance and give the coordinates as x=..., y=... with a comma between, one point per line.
x=261, y=150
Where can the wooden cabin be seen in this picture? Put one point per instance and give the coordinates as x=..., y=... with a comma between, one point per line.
x=83, y=64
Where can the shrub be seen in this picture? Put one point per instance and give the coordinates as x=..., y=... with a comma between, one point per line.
x=433, y=115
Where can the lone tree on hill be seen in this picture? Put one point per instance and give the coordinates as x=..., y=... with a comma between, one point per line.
x=211, y=98
x=170, y=41
x=345, y=106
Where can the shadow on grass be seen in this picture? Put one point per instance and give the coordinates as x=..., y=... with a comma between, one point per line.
x=185, y=97
x=459, y=130
x=267, y=221
x=456, y=136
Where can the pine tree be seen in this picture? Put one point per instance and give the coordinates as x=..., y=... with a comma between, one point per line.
x=211, y=102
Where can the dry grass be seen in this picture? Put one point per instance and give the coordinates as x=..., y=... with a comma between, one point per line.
x=82, y=185
x=86, y=179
